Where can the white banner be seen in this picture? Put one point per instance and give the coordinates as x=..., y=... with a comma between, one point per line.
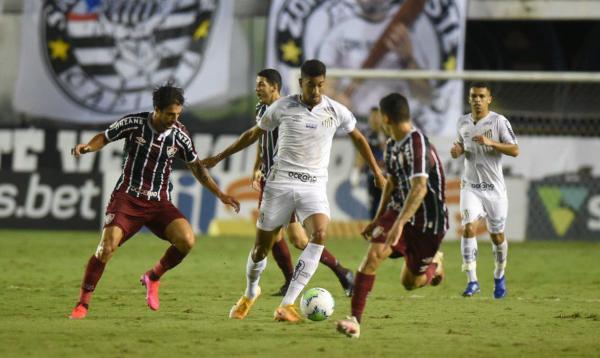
x=344, y=34
x=90, y=61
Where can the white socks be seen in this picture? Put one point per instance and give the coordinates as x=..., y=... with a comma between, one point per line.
x=500, y=254
x=253, y=272
x=305, y=268
x=468, y=248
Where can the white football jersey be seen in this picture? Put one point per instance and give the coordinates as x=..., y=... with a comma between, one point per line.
x=483, y=165
x=305, y=136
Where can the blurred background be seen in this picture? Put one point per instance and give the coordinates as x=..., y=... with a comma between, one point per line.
x=72, y=67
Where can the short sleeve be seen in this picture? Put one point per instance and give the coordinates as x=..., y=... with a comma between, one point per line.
x=505, y=132
x=121, y=128
x=419, y=148
x=187, y=151
x=459, y=138
x=271, y=118
x=347, y=120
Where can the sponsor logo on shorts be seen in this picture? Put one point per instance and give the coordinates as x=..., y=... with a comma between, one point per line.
x=303, y=177
x=108, y=218
x=483, y=186
x=377, y=232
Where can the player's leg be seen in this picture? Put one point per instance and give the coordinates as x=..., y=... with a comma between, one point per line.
x=471, y=209
x=422, y=259
x=316, y=225
x=297, y=236
x=255, y=266
x=283, y=258
x=111, y=237
x=497, y=210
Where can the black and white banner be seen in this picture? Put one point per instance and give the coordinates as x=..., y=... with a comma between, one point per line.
x=343, y=34
x=90, y=61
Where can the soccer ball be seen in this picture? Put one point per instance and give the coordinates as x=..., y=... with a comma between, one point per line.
x=317, y=304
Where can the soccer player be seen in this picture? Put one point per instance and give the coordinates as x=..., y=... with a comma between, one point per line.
x=297, y=180
x=268, y=86
x=483, y=137
x=142, y=195
x=412, y=217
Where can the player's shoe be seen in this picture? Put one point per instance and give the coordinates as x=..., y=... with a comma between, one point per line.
x=347, y=282
x=499, y=287
x=472, y=288
x=440, y=273
x=288, y=313
x=349, y=326
x=79, y=312
x=242, y=306
x=151, y=291
x=282, y=290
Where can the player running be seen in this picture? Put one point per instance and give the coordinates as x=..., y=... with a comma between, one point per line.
x=412, y=218
x=297, y=180
x=142, y=195
x=483, y=137
x=268, y=86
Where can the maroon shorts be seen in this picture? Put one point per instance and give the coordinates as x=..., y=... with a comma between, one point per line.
x=263, y=182
x=417, y=247
x=130, y=214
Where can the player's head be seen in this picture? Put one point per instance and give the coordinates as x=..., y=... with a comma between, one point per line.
x=374, y=9
x=168, y=103
x=312, y=80
x=268, y=85
x=394, y=111
x=480, y=97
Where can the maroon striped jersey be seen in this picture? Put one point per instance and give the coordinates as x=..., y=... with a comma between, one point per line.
x=267, y=143
x=148, y=155
x=414, y=156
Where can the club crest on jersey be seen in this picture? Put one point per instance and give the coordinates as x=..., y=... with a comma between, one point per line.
x=106, y=55
x=171, y=151
x=328, y=122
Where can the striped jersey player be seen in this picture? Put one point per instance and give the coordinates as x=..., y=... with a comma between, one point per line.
x=142, y=194
x=484, y=137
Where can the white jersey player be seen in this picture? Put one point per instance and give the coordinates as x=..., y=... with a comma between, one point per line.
x=483, y=137
x=297, y=180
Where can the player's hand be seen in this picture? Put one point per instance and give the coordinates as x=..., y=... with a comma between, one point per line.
x=368, y=230
x=457, y=150
x=231, y=201
x=380, y=180
x=394, y=235
x=211, y=161
x=80, y=149
x=256, y=178
x=482, y=140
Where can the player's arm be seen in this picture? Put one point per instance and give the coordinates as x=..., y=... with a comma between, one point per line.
x=202, y=175
x=511, y=149
x=95, y=144
x=359, y=141
x=247, y=138
x=256, y=172
x=414, y=199
x=386, y=195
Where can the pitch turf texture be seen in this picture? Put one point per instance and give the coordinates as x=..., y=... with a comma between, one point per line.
x=553, y=306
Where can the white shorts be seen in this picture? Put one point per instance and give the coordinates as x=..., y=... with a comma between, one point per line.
x=474, y=206
x=280, y=200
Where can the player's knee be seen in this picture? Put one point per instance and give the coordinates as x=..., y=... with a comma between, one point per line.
x=374, y=258
x=469, y=230
x=105, y=250
x=318, y=237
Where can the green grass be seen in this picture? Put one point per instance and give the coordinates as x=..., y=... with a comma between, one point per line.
x=553, y=307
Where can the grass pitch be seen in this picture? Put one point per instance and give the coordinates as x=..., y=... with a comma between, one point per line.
x=553, y=306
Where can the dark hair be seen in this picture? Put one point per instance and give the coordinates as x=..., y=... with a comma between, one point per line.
x=166, y=95
x=395, y=106
x=481, y=85
x=272, y=76
x=313, y=68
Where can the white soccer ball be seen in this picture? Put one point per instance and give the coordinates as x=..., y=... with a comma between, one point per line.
x=317, y=304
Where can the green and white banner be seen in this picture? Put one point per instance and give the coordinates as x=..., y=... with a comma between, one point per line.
x=91, y=61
